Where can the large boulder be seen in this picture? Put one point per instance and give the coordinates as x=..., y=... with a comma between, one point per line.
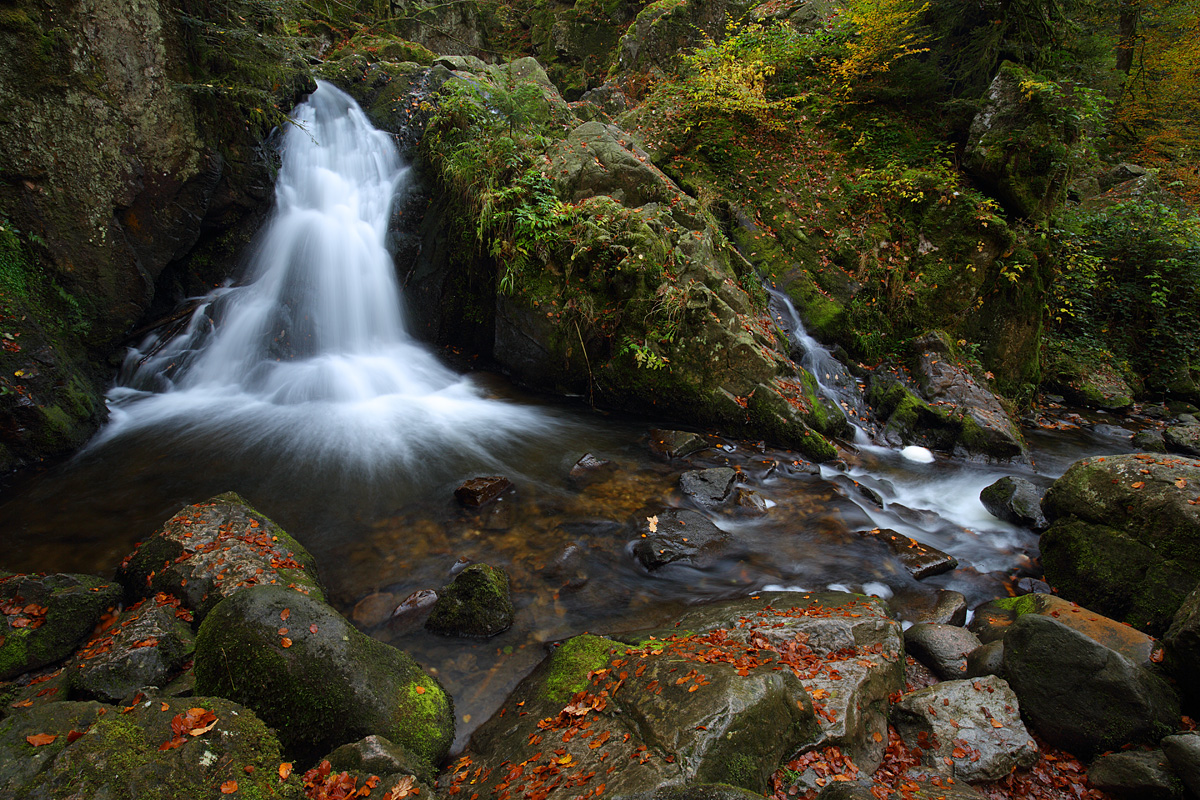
x=705, y=709
x=1081, y=695
x=315, y=679
x=974, y=727
x=1183, y=439
x=213, y=549
x=678, y=535
x=476, y=603
x=198, y=747
x=47, y=616
x=1124, y=537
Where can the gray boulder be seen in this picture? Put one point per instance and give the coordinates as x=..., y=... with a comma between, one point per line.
x=987, y=659
x=676, y=535
x=943, y=648
x=1183, y=751
x=1183, y=439
x=708, y=488
x=1149, y=441
x=1015, y=500
x=921, y=560
x=1081, y=695
x=974, y=725
x=1136, y=775
x=315, y=679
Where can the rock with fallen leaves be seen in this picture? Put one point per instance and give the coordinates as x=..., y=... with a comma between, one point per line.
x=969, y=729
x=211, y=550
x=1124, y=538
x=475, y=604
x=376, y=755
x=1080, y=694
x=845, y=648
x=1183, y=439
x=599, y=717
x=47, y=616
x=151, y=750
x=696, y=791
x=678, y=535
x=921, y=560
x=146, y=645
x=317, y=680
x=1015, y=500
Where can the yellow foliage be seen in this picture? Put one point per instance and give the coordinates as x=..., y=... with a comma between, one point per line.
x=882, y=33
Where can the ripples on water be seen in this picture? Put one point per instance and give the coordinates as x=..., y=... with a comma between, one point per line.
x=301, y=390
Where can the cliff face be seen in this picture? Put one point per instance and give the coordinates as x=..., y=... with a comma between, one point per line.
x=123, y=147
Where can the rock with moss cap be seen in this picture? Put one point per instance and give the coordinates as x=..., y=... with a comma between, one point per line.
x=1124, y=538
x=689, y=710
x=1015, y=500
x=315, y=679
x=123, y=754
x=475, y=603
x=47, y=616
x=211, y=550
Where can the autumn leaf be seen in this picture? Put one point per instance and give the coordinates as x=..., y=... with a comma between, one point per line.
x=312, y=628
x=404, y=787
x=74, y=735
x=653, y=521
x=229, y=787
x=283, y=615
x=286, y=642
x=39, y=739
x=1138, y=484
x=1181, y=483
x=285, y=770
x=420, y=690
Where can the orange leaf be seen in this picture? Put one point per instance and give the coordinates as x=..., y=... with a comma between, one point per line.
x=286, y=642
x=228, y=787
x=420, y=690
x=1181, y=483
x=283, y=615
x=997, y=723
x=285, y=770
x=1138, y=484
x=39, y=739
x=312, y=628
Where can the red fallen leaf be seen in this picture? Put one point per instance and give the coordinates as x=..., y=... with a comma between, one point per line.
x=283, y=615
x=1138, y=484
x=420, y=690
x=23, y=703
x=283, y=631
x=286, y=642
x=19, y=622
x=229, y=787
x=312, y=628
x=73, y=735
x=39, y=739
x=1157, y=656
x=248, y=769
x=285, y=770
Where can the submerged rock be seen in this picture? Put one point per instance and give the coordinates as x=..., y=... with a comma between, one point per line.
x=476, y=603
x=1125, y=538
x=315, y=679
x=47, y=616
x=211, y=550
x=919, y=559
x=478, y=491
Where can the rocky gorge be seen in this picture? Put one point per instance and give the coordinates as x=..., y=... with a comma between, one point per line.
x=643, y=209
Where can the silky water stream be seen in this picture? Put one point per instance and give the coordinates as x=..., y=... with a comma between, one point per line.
x=300, y=389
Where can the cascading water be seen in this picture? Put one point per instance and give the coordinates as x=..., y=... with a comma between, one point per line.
x=310, y=355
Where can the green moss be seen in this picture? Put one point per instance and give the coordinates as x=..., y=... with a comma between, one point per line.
x=1025, y=604
x=568, y=667
x=14, y=653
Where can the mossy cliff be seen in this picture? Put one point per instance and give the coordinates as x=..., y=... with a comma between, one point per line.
x=130, y=136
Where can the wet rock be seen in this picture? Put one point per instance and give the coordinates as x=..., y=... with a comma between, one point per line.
x=975, y=725
x=943, y=648
x=708, y=488
x=991, y=621
x=1029, y=585
x=950, y=609
x=1136, y=775
x=919, y=559
x=146, y=646
x=1149, y=441
x=987, y=659
x=1183, y=439
x=847, y=650
x=477, y=491
x=677, y=535
x=317, y=680
x=664, y=715
x=1182, y=645
x=47, y=616
x=588, y=466
x=569, y=567
x=374, y=609
x=748, y=502
x=1134, y=645
x=1183, y=751
x=122, y=754
x=375, y=755
x=1015, y=500
x=1124, y=538
x=676, y=444
x=214, y=549
x=1079, y=694
x=475, y=603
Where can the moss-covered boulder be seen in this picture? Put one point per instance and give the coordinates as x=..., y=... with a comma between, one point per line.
x=666, y=28
x=315, y=679
x=146, y=645
x=910, y=419
x=213, y=549
x=200, y=747
x=475, y=603
x=698, y=709
x=1124, y=536
x=47, y=616
x=1089, y=376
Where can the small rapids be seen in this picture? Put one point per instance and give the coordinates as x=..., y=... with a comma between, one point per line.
x=300, y=389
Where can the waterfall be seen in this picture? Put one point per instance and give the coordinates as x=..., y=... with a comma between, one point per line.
x=310, y=354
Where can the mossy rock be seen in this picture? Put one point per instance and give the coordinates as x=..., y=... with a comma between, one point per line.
x=216, y=548
x=1089, y=376
x=910, y=419
x=315, y=679
x=476, y=603
x=47, y=616
x=121, y=753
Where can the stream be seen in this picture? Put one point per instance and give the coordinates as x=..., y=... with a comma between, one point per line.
x=300, y=389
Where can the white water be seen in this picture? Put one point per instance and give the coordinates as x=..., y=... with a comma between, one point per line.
x=310, y=357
